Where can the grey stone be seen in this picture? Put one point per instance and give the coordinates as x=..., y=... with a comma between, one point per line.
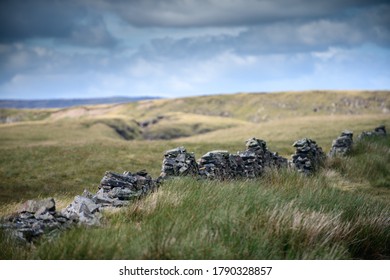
x=308, y=157
x=215, y=165
x=83, y=209
x=342, y=145
x=35, y=218
x=33, y=206
x=178, y=162
x=378, y=131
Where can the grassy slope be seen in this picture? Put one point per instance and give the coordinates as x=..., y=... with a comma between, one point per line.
x=271, y=217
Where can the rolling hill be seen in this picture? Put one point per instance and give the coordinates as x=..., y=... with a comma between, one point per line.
x=215, y=118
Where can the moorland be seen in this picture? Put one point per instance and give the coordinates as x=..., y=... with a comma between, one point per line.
x=341, y=212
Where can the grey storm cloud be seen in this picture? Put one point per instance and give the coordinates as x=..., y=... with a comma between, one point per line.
x=176, y=45
x=361, y=27
x=60, y=18
x=195, y=13
x=74, y=22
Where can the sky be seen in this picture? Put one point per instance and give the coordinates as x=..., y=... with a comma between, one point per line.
x=172, y=48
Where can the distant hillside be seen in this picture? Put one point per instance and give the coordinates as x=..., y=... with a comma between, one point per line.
x=64, y=103
x=282, y=116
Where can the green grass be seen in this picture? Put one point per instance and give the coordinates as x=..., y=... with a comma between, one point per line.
x=281, y=215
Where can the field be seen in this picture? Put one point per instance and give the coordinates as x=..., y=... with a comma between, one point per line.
x=340, y=213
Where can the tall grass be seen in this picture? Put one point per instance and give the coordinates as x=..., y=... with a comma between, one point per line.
x=281, y=215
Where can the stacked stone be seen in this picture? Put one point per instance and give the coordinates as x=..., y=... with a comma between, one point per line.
x=115, y=190
x=177, y=162
x=215, y=165
x=265, y=158
x=115, y=187
x=378, y=131
x=342, y=145
x=278, y=161
x=35, y=218
x=259, y=147
x=252, y=168
x=237, y=167
x=308, y=156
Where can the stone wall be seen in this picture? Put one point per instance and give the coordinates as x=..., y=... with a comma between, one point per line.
x=177, y=162
x=308, y=157
x=342, y=145
x=378, y=131
x=220, y=164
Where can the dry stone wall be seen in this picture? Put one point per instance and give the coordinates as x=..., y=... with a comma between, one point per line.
x=216, y=165
x=177, y=162
x=36, y=218
x=378, y=131
x=220, y=164
x=342, y=145
x=308, y=156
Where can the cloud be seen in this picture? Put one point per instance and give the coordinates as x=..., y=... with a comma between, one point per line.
x=176, y=48
x=194, y=13
x=72, y=22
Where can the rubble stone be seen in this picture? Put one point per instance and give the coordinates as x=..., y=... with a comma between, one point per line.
x=342, y=145
x=33, y=206
x=35, y=218
x=83, y=209
x=378, y=131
